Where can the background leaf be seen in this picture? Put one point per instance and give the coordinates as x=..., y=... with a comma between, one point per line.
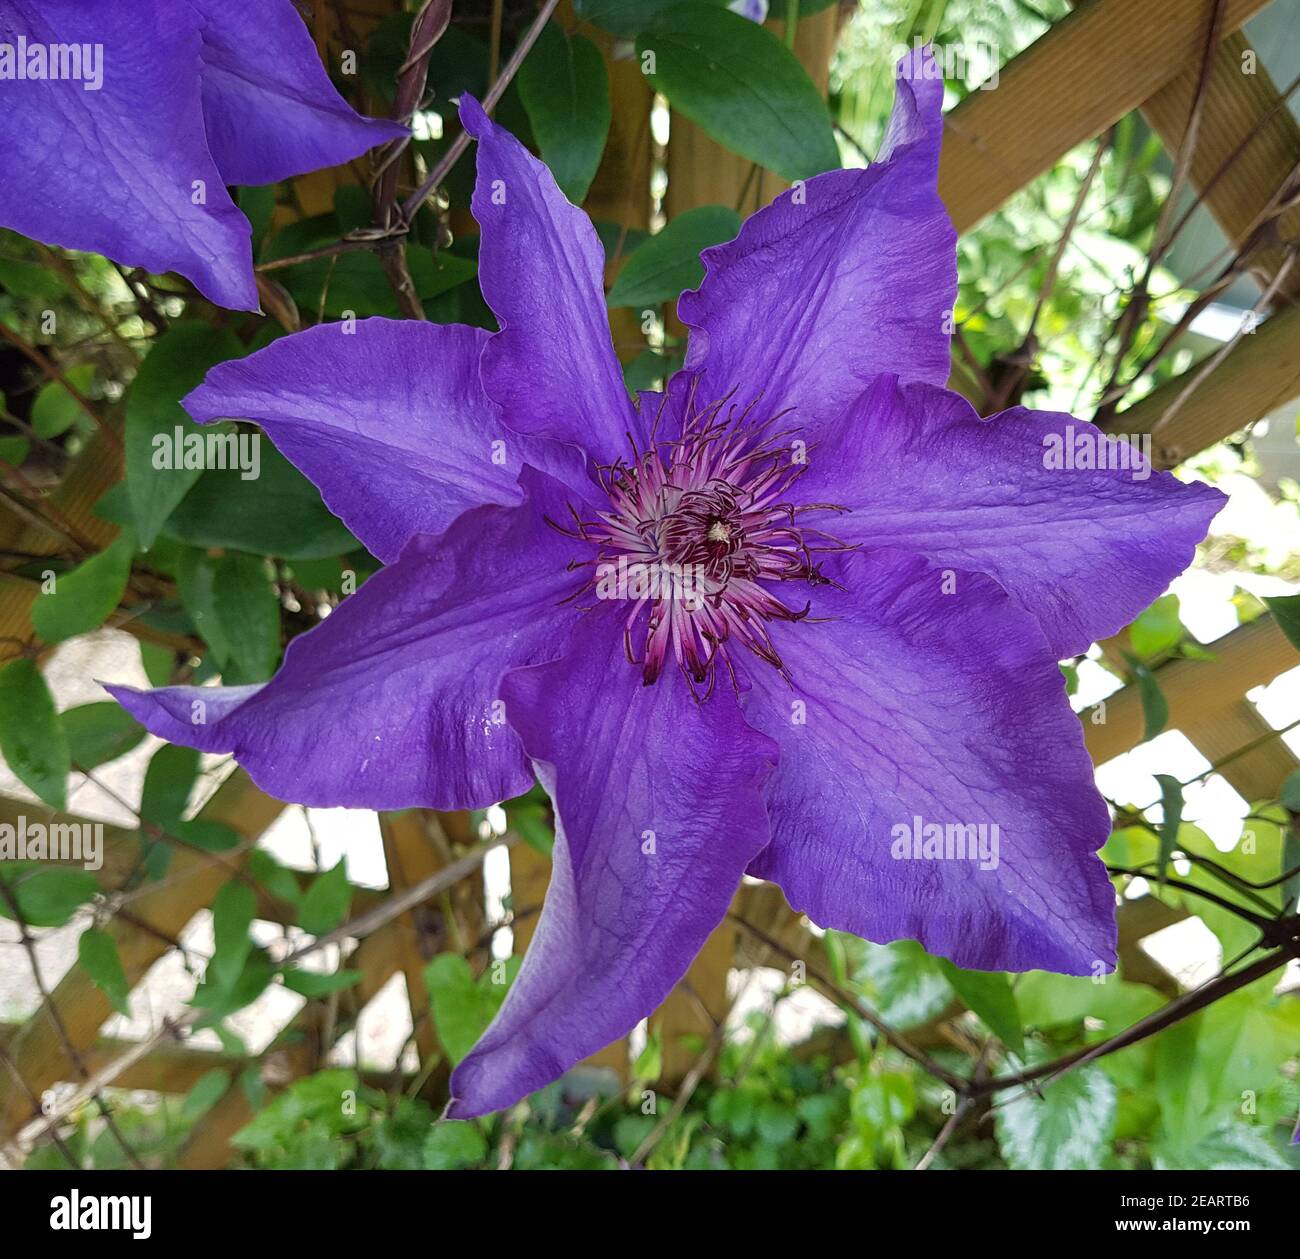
x=99, y=733
x=177, y=364
x=743, y=86
x=97, y=953
x=462, y=1006
x=989, y=995
x=247, y=614
x=1066, y=1128
x=232, y=915
x=47, y=896
x=83, y=598
x=310, y=983
x=669, y=262
x=326, y=902
x=31, y=738
x=55, y=409
x=565, y=89
x=280, y=513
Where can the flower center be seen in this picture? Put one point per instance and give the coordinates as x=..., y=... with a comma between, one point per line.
x=698, y=532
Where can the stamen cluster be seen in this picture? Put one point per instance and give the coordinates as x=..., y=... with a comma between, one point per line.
x=710, y=510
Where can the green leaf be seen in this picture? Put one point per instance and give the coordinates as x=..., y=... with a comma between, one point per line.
x=1256, y=857
x=648, y=370
x=1286, y=611
x=1047, y=1000
x=1171, y=802
x=989, y=995
x=97, y=952
x=462, y=1008
x=196, y=577
x=157, y=663
x=1158, y=628
x=47, y=897
x=1155, y=708
x=31, y=739
x=99, y=733
x=776, y=1123
x=247, y=613
x=1246, y=1040
x=277, y=879
x=202, y=833
x=280, y=513
x=83, y=598
x=208, y=1090
x=1067, y=1128
x=168, y=782
x=630, y=1131
x=310, y=983
x=13, y=450
x=649, y=1064
x=178, y=362
x=232, y=915
x=326, y=902
x=55, y=409
x=355, y=284
x=741, y=85
x=221, y=1002
x=1290, y=793
x=1291, y=861
x=310, y=1105
x=453, y=1143
x=1233, y=1148
x=257, y=201
x=530, y=819
x=565, y=90
x=30, y=280
x=626, y=17
x=669, y=262
x=901, y=981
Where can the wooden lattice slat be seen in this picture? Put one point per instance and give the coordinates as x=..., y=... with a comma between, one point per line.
x=1085, y=73
x=1247, y=146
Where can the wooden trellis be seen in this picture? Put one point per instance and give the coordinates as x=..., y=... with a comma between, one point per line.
x=1106, y=59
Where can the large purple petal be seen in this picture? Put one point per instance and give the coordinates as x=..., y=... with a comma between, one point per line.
x=1083, y=549
x=920, y=699
x=552, y=366
x=625, y=764
x=389, y=420
x=270, y=108
x=392, y=701
x=118, y=170
x=852, y=273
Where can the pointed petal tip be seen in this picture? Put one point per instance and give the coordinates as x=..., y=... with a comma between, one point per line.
x=146, y=707
x=917, y=63
x=462, y=1108
x=493, y=1077
x=142, y=704
x=473, y=117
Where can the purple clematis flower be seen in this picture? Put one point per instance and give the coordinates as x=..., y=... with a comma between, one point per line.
x=868, y=589
x=126, y=119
